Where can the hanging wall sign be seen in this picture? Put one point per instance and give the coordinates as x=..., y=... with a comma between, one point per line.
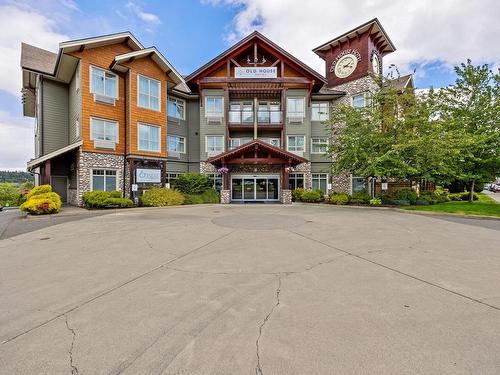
x=256, y=72
x=148, y=175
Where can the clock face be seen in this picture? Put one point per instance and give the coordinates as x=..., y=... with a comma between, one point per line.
x=375, y=64
x=346, y=65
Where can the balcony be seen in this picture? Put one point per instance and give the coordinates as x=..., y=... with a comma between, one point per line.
x=266, y=119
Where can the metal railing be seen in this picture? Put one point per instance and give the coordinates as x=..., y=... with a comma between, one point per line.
x=263, y=117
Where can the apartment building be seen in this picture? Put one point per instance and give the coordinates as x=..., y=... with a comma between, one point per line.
x=113, y=115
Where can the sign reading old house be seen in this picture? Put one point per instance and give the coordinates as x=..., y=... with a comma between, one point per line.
x=148, y=175
x=256, y=72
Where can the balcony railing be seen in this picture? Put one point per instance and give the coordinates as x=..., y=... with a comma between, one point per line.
x=263, y=117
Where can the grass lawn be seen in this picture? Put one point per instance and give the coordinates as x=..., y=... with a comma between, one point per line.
x=485, y=206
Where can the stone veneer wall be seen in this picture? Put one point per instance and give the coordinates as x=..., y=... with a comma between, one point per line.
x=304, y=168
x=90, y=160
x=341, y=183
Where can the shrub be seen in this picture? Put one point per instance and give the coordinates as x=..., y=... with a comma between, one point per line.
x=115, y=194
x=312, y=196
x=422, y=202
x=297, y=194
x=401, y=202
x=208, y=196
x=9, y=194
x=113, y=202
x=409, y=195
x=464, y=196
x=42, y=189
x=42, y=203
x=159, y=197
x=95, y=199
x=339, y=198
x=361, y=197
x=192, y=183
x=386, y=199
x=375, y=202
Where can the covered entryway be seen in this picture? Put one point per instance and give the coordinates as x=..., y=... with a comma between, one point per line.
x=255, y=188
x=256, y=172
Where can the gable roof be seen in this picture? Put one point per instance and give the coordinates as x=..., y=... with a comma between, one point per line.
x=216, y=160
x=373, y=26
x=103, y=40
x=401, y=83
x=37, y=59
x=157, y=57
x=241, y=43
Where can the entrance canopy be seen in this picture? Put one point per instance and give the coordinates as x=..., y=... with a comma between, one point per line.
x=256, y=152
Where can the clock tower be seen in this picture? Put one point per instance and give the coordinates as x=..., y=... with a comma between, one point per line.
x=355, y=54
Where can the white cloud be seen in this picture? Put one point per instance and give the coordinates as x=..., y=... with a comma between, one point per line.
x=423, y=31
x=14, y=153
x=144, y=16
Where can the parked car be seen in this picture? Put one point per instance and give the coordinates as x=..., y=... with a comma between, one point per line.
x=495, y=188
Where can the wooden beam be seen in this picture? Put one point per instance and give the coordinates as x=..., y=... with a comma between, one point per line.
x=256, y=161
x=255, y=53
x=276, y=62
x=235, y=62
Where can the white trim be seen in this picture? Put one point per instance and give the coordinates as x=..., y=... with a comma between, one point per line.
x=319, y=103
x=183, y=107
x=103, y=169
x=101, y=39
x=312, y=148
x=214, y=114
x=288, y=143
x=254, y=177
x=53, y=154
x=116, y=97
x=215, y=135
x=303, y=107
x=139, y=124
x=178, y=136
x=107, y=120
x=149, y=94
x=321, y=173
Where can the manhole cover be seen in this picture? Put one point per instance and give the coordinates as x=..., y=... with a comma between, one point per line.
x=259, y=222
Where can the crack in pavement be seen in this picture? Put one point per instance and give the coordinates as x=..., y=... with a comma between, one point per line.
x=74, y=369
x=258, y=367
x=430, y=283
x=106, y=292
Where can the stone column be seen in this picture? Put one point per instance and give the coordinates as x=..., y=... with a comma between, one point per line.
x=225, y=196
x=286, y=196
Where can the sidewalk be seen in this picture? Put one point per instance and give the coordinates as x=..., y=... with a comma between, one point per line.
x=495, y=196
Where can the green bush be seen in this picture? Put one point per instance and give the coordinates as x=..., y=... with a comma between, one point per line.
x=360, y=197
x=95, y=199
x=442, y=195
x=297, y=194
x=42, y=189
x=464, y=196
x=422, y=202
x=115, y=194
x=208, y=196
x=192, y=183
x=113, y=202
x=160, y=197
x=339, y=198
x=409, y=195
x=10, y=195
x=312, y=196
x=42, y=203
x=401, y=202
x=386, y=199
x=375, y=202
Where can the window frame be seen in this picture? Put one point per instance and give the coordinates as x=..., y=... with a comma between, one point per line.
x=214, y=114
x=139, y=124
x=294, y=177
x=92, y=138
x=106, y=71
x=319, y=179
x=366, y=99
x=313, y=144
x=303, y=99
x=313, y=104
x=214, y=135
x=183, y=102
x=105, y=177
x=183, y=143
x=295, y=136
x=139, y=76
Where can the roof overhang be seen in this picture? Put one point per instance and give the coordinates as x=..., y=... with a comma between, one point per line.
x=275, y=155
x=152, y=53
x=99, y=41
x=374, y=27
x=36, y=162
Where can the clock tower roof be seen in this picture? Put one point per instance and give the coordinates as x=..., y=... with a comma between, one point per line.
x=374, y=29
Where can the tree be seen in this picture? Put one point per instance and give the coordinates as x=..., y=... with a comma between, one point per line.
x=470, y=110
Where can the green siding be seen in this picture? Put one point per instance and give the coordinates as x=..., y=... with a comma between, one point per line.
x=210, y=129
x=74, y=108
x=305, y=127
x=193, y=113
x=55, y=116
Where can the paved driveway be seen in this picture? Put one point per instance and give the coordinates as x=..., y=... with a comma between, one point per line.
x=255, y=289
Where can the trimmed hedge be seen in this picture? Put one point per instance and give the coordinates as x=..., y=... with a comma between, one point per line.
x=160, y=197
x=192, y=183
x=464, y=196
x=361, y=197
x=42, y=203
x=312, y=196
x=297, y=194
x=37, y=190
x=339, y=198
x=118, y=203
x=105, y=199
x=208, y=196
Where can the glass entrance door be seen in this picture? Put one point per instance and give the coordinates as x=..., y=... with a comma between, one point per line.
x=255, y=188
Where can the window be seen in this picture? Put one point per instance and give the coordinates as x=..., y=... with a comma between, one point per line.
x=319, y=145
x=77, y=79
x=103, y=130
x=295, y=108
x=272, y=141
x=176, y=108
x=214, y=106
x=234, y=142
x=320, y=181
x=296, y=143
x=77, y=126
x=216, y=181
x=296, y=181
x=148, y=93
x=104, y=180
x=149, y=137
x=358, y=184
x=176, y=143
x=361, y=100
x=171, y=177
x=103, y=83
x=320, y=111
x=214, y=144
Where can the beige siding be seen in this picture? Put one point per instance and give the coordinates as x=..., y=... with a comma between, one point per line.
x=55, y=116
x=74, y=108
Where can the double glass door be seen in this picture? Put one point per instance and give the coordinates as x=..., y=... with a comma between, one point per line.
x=255, y=188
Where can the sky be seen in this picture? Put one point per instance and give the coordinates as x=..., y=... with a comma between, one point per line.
x=430, y=36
